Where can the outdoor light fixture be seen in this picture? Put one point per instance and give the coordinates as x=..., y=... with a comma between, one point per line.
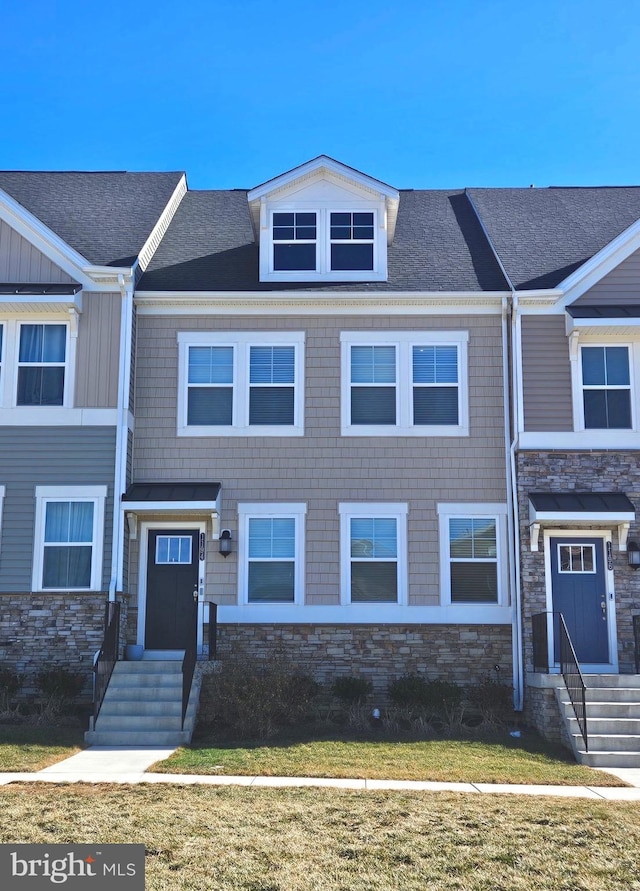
x=633, y=554
x=224, y=543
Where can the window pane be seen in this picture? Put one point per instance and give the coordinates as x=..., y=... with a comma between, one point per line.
x=617, y=366
x=593, y=373
x=210, y=365
x=69, y=521
x=283, y=219
x=294, y=257
x=474, y=583
x=340, y=219
x=271, y=582
x=595, y=409
x=351, y=256
x=66, y=567
x=363, y=219
x=40, y=385
x=42, y=343
x=435, y=365
x=374, y=582
x=607, y=409
x=272, y=365
x=210, y=406
x=475, y=538
x=374, y=537
x=271, y=405
x=272, y=537
x=373, y=405
x=373, y=365
x=435, y=405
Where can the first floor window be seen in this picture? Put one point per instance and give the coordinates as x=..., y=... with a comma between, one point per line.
x=41, y=364
x=69, y=528
x=272, y=552
x=606, y=387
x=374, y=546
x=471, y=548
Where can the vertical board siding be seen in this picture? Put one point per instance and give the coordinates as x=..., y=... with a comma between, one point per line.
x=546, y=374
x=324, y=468
x=31, y=457
x=619, y=286
x=98, y=351
x=20, y=261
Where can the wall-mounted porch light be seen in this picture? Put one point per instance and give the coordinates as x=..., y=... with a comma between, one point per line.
x=633, y=554
x=224, y=543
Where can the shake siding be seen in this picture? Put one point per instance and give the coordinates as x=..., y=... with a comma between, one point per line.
x=31, y=457
x=546, y=374
x=323, y=468
x=620, y=286
x=20, y=261
x=98, y=351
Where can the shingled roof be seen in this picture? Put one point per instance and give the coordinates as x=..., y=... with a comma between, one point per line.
x=438, y=246
x=106, y=217
x=543, y=235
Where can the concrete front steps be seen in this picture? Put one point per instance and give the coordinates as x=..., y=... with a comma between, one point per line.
x=613, y=721
x=143, y=706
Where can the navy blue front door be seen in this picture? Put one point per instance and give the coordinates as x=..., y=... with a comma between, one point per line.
x=580, y=594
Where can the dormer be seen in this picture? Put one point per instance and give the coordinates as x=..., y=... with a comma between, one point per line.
x=323, y=222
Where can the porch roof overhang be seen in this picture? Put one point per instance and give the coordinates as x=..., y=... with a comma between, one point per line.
x=171, y=499
x=41, y=296
x=603, y=318
x=548, y=509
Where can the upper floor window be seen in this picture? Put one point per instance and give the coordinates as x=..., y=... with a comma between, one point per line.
x=352, y=241
x=41, y=364
x=241, y=384
x=405, y=383
x=606, y=387
x=294, y=241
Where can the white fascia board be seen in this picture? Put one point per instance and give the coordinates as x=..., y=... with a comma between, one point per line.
x=322, y=163
x=44, y=239
x=579, y=440
x=366, y=614
x=546, y=517
x=624, y=326
x=610, y=256
x=150, y=246
x=170, y=507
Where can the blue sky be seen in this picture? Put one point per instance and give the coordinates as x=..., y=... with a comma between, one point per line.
x=430, y=94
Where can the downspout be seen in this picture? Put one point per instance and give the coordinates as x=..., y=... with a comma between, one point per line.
x=518, y=655
x=125, y=283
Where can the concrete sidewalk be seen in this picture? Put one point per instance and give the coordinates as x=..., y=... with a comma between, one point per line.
x=129, y=765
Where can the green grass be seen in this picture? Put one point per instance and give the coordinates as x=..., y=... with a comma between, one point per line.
x=527, y=760
x=232, y=839
x=24, y=747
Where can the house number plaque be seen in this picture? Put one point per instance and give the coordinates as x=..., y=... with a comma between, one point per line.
x=609, y=556
x=201, y=554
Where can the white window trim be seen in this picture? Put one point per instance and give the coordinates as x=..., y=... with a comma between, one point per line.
x=488, y=511
x=404, y=341
x=241, y=341
x=47, y=494
x=581, y=340
x=9, y=374
x=286, y=510
x=323, y=271
x=367, y=510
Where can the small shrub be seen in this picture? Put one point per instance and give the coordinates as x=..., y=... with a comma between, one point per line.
x=493, y=701
x=10, y=683
x=410, y=690
x=60, y=688
x=351, y=690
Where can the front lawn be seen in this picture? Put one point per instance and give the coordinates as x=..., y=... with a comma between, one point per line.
x=525, y=760
x=233, y=839
x=25, y=747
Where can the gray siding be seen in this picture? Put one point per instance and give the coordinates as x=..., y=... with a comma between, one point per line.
x=546, y=374
x=323, y=468
x=98, y=351
x=30, y=456
x=621, y=285
x=20, y=261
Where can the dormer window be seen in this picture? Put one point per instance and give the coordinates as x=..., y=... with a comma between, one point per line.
x=323, y=222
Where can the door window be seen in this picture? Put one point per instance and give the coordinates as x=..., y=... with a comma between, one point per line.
x=173, y=549
x=576, y=558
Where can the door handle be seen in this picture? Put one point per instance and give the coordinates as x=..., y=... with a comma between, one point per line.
x=194, y=594
x=603, y=607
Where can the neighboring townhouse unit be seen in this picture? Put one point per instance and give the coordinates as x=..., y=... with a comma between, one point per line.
x=383, y=431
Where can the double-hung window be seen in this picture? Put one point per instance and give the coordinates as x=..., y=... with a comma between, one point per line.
x=472, y=565
x=271, y=554
x=351, y=238
x=294, y=242
x=241, y=384
x=69, y=533
x=606, y=387
x=41, y=364
x=373, y=553
x=405, y=383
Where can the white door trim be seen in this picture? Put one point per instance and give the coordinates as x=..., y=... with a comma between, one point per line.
x=605, y=536
x=145, y=527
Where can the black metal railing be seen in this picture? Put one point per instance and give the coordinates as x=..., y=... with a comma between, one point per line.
x=213, y=632
x=636, y=642
x=190, y=658
x=107, y=657
x=569, y=665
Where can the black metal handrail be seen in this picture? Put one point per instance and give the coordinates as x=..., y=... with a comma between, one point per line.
x=569, y=665
x=190, y=658
x=107, y=656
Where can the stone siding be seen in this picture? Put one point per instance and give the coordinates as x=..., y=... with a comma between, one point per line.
x=541, y=711
x=466, y=654
x=579, y=472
